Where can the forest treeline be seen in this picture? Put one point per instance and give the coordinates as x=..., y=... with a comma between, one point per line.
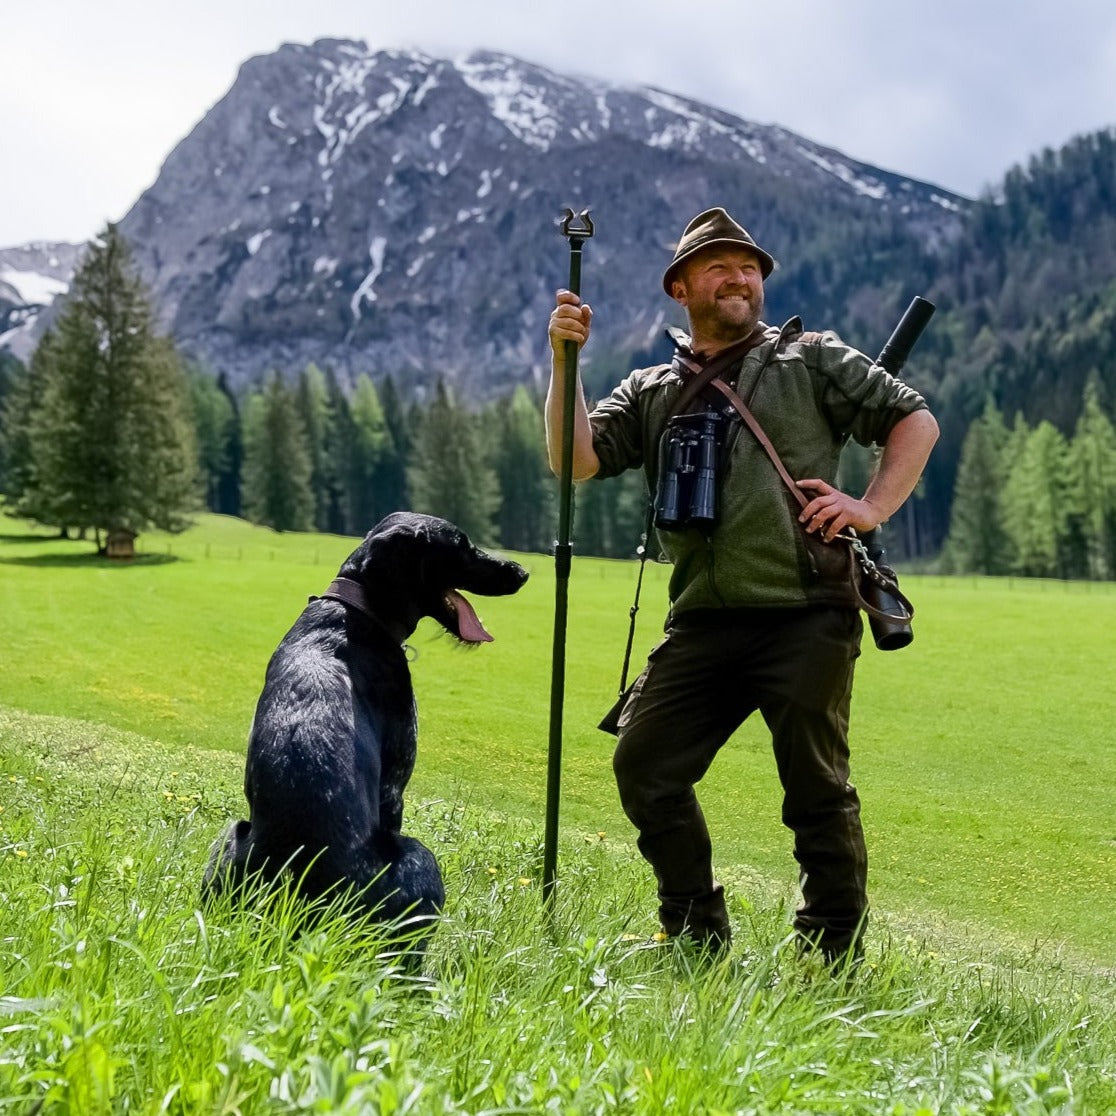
x=108, y=433
x=1026, y=299
x=1030, y=501
x=308, y=456
x=1018, y=364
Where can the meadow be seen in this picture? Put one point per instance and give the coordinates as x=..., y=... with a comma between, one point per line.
x=126, y=691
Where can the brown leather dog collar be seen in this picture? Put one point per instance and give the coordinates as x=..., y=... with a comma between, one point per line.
x=351, y=594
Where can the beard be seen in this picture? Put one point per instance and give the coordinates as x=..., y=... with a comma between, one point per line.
x=725, y=319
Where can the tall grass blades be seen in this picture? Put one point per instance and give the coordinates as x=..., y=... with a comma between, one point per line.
x=981, y=752
x=120, y=995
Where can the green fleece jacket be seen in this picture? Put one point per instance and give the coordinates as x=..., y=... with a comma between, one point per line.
x=813, y=395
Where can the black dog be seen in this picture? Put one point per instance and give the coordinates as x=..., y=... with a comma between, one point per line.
x=333, y=741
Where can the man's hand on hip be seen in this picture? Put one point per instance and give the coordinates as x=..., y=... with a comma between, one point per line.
x=831, y=510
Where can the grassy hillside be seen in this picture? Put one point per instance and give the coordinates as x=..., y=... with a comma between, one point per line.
x=981, y=752
x=125, y=696
x=119, y=995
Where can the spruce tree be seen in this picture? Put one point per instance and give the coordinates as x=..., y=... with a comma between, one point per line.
x=977, y=542
x=370, y=460
x=276, y=473
x=19, y=403
x=322, y=409
x=450, y=473
x=111, y=441
x=338, y=453
x=1035, y=506
x=215, y=423
x=527, y=490
x=12, y=373
x=391, y=481
x=228, y=484
x=609, y=519
x=1093, y=453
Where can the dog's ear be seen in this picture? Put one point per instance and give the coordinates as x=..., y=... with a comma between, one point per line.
x=390, y=546
x=382, y=550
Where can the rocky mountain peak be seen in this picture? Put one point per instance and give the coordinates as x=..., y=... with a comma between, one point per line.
x=389, y=211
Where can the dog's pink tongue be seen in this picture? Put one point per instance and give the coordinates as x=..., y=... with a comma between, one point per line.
x=469, y=627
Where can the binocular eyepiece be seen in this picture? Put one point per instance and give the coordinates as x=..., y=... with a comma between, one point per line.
x=687, y=490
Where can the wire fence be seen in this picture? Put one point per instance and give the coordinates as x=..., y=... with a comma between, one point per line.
x=332, y=551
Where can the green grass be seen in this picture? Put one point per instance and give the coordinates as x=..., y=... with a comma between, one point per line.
x=982, y=752
x=118, y=995
x=126, y=692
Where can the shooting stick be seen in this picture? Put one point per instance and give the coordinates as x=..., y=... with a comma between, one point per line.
x=576, y=231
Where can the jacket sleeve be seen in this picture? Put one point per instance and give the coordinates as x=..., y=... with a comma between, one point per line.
x=859, y=398
x=618, y=429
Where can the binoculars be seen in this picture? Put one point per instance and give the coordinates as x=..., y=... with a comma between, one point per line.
x=687, y=490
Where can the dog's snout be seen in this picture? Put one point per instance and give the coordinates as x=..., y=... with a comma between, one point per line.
x=511, y=576
x=492, y=576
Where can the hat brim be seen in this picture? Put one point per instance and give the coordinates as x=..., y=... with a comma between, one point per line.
x=767, y=262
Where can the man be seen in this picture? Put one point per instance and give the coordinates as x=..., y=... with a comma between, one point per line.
x=751, y=626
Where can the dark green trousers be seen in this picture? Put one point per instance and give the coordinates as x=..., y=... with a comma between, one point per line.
x=714, y=670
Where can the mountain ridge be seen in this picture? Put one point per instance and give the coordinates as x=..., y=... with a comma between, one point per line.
x=393, y=211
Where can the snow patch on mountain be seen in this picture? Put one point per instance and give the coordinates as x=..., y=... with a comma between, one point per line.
x=519, y=103
x=365, y=293
x=870, y=188
x=253, y=242
x=31, y=287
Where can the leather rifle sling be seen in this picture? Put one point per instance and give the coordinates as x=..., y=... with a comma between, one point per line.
x=753, y=425
x=869, y=568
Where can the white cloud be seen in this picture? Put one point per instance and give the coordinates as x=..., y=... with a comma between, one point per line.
x=97, y=94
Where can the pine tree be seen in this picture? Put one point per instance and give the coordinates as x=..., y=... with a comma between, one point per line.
x=450, y=474
x=276, y=475
x=977, y=542
x=1093, y=452
x=527, y=491
x=215, y=423
x=112, y=445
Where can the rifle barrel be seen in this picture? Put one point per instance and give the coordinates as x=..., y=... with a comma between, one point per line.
x=894, y=354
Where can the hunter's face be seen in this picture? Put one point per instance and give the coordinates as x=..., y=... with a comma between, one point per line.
x=722, y=291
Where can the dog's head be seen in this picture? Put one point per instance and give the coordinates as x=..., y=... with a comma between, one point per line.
x=413, y=565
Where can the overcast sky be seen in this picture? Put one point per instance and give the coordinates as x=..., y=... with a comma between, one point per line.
x=95, y=93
